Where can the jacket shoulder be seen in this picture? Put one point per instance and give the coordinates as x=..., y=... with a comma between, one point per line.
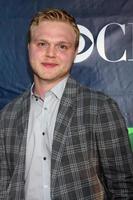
x=86, y=95
x=93, y=95
x=16, y=105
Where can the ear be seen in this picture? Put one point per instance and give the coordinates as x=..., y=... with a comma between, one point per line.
x=28, y=46
x=76, y=52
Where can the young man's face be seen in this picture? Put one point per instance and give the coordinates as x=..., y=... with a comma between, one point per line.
x=51, y=51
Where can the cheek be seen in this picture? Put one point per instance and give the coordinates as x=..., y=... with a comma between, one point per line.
x=66, y=58
x=32, y=54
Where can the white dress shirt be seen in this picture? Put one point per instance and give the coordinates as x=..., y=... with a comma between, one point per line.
x=42, y=118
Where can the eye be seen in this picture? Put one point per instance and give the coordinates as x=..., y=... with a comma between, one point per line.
x=63, y=47
x=42, y=44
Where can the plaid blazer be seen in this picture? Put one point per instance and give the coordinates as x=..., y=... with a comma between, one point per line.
x=91, y=155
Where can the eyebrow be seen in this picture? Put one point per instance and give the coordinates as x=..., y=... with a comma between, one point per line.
x=58, y=42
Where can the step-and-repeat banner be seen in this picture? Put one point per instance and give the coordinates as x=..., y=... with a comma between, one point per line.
x=105, y=58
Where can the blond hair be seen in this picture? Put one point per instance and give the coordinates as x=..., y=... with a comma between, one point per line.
x=59, y=15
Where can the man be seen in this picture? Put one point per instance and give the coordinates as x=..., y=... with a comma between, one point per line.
x=61, y=141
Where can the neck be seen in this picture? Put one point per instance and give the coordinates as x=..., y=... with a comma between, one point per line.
x=41, y=86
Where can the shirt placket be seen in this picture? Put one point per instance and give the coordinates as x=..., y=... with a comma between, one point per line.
x=45, y=150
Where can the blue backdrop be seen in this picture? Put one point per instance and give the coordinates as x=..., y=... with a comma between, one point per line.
x=105, y=59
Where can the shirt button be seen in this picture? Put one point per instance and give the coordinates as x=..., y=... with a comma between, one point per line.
x=45, y=108
x=44, y=158
x=43, y=133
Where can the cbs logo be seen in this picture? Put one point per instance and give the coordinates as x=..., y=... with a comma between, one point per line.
x=84, y=53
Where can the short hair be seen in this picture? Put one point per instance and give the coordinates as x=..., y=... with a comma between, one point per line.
x=59, y=15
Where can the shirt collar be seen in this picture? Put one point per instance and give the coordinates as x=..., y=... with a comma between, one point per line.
x=57, y=90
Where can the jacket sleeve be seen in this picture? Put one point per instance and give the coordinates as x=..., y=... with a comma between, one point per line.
x=115, y=155
x=4, y=171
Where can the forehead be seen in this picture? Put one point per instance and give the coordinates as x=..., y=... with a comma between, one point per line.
x=53, y=30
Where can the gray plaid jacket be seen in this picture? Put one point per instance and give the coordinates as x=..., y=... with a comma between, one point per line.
x=91, y=155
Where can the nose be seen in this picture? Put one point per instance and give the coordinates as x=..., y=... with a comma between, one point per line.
x=51, y=51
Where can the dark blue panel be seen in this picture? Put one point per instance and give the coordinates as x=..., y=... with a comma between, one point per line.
x=115, y=79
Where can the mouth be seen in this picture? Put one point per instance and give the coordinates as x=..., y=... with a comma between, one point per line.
x=49, y=65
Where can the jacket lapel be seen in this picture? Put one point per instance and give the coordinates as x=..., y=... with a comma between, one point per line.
x=63, y=120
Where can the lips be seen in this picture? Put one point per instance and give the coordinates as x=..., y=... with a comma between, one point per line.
x=49, y=65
